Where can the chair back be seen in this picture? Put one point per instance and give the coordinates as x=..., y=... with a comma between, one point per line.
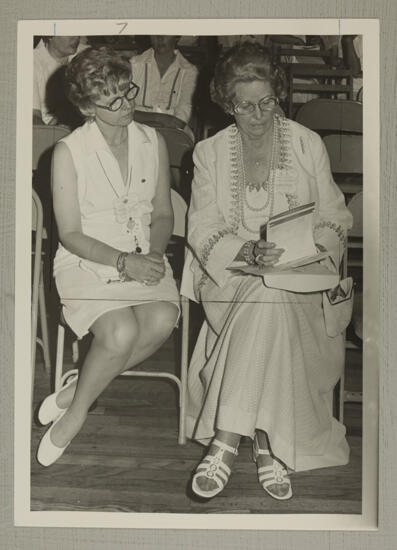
x=345, y=153
x=355, y=205
x=44, y=138
x=179, y=208
x=178, y=143
x=180, y=149
x=37, y=228
x=331, y=116
x=37, y=213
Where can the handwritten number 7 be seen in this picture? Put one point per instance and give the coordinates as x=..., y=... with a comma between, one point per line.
x=124, y=26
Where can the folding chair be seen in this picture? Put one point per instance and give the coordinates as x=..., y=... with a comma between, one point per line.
x=354, y=242
x=346, y=158
x=38, y=299
x=44, y=138
x=330, y=116
x=340, y=124
x=180, y=208
x=354, y=257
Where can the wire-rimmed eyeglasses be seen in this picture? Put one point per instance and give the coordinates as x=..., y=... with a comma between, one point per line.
x=247, y=107
x=117, y=102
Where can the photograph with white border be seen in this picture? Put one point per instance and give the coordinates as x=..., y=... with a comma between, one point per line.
x=180, y=374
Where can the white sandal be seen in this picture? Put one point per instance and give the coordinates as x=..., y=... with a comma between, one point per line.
x=275, y=474
x=212, y=467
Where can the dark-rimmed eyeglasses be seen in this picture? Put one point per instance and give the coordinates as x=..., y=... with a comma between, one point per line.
x=117, y=102
x=247, y=107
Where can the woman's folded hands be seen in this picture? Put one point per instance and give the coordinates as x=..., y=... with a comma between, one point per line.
x=148, y=269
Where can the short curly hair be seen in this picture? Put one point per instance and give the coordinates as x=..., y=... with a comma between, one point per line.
x=246, y=62
x=93, y=72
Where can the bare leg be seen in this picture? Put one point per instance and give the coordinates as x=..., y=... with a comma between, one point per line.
x=156, y=321
x=122, y=339
x=231, y=439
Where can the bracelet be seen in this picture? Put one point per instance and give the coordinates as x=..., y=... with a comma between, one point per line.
x=248, y=252
x=120, y=265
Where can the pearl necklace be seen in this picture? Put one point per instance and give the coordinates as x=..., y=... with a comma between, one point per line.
x=251, y=185
x=270, y=182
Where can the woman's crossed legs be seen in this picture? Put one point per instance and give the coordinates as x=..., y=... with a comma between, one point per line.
x=123, y=338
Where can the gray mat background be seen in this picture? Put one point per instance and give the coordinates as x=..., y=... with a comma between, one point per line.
x=70, y=539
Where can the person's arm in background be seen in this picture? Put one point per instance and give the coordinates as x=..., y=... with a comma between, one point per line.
x=183, y=110
x=38, y=97
x=350, y=57
x=37, y=118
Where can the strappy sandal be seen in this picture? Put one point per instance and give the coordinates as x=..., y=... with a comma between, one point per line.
x=212, y=467
x=274, y=474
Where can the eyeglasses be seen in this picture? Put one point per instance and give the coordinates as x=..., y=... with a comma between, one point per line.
x=247, y=107
x=117, y=102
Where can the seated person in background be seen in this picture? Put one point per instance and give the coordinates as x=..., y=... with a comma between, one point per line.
x=51, y=54
x=166, y=80
x=352, y=47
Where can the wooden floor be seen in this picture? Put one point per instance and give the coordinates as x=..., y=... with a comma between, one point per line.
x=126, y=458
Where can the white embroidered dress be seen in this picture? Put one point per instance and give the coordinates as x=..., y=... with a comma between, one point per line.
x=263, y=359
x=115, y=215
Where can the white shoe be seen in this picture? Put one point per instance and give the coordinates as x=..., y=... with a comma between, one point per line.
x=47, y=452
x=212, y=467
x=49, y=410
x=274, y=474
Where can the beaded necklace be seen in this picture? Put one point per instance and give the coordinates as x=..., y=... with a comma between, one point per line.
x=122, y=205
x=269, y=183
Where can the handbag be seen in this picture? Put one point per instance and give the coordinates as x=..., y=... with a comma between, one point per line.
x=338, y=307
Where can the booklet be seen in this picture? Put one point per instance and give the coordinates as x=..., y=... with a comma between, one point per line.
x=299, y=268
x=292, y=230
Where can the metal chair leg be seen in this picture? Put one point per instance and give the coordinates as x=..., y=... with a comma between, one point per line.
x=60, y=377
x=44, y=324
x=59, y=357
x=183, y=373
x=341, y=397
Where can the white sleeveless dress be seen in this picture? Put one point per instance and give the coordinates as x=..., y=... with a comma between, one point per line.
x=116, y=215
